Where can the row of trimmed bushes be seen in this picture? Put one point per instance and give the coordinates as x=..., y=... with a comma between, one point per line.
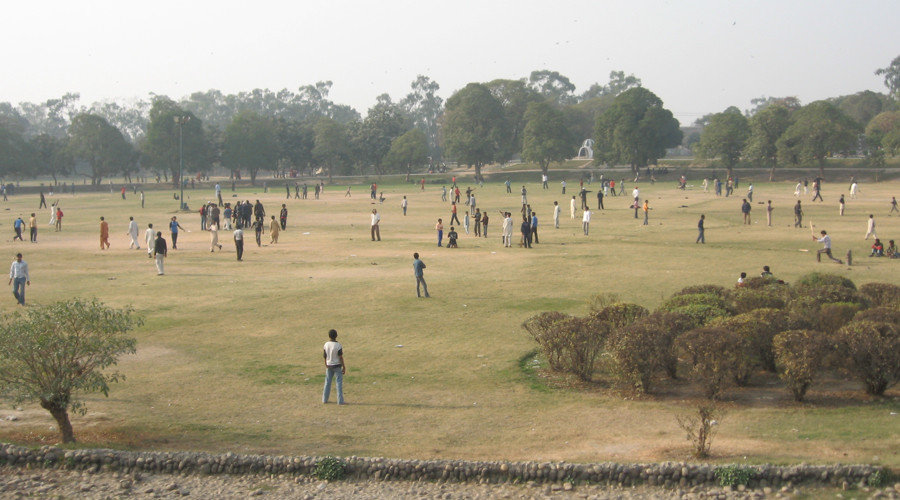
x=719, y=338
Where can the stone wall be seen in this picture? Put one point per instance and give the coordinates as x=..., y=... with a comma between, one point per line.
x=668, y=474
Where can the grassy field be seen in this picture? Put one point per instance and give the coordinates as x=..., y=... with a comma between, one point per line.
x=230, y=355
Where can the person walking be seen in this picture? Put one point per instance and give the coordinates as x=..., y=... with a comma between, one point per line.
x=174, y=226
x=133, y=232
x=239, y=243
x=404, y=203
x=893, y=205
x=586, y=221
x=419, y=271
x=443, y=193
x=142, y=198
x=798, y=215
x=18, y=224
x=701, y=238
x=745, y=210
x=376, y=219
x=646, y=209
x=335, y=368
x=769, y=209
x=274, y=229
x=18, y=278
x=282, y=217
x=104, y=234
x=43, y=203
x=817, y=187
x=556, y=210
x=160, y=251
x=32, y=228
x=870, y=227
x=149, y=237
x=258, y=230
x=214, y=237
x=453, y=216
x=825, y=240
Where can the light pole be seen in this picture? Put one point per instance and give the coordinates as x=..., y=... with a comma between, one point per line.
x=181, y=120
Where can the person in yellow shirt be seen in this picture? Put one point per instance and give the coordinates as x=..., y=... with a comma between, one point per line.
x=32, y=226
x=274, y=228
x=646, y=209
x=104, y=234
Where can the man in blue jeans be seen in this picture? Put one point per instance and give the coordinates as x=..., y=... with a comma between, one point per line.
x=334, y=367
x=419, y=269
x=18, y=277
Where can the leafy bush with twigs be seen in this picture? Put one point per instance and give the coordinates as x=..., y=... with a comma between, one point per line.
x=543, y=329
x=756, y=329
x=742, y=300
x=817, y=279
x=703, y=289
x=700, y=427
x=799, y=354
x=882, y=294
x=713, y=354
x=872, y=353
x=583, y=343
x=879, y=315
x=619, y=314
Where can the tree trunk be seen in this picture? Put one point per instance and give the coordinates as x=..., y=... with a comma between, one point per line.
x=477, y=171
x=730, y=171
x=772, y=173
x=545, y=167
x=253, y=173
x=62, y=420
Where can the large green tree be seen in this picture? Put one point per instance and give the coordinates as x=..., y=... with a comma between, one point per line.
x=891, y=76
x=883, y=131
x=51, y=155
x=552, y=86
x=514, y=97
x=861, y=107
x=52, y=354
x=474, y=126
x=407, y=151
x=724, y=137
x=546, y=138
x=766, y=127
x=332, y=146
x=250, y=144
x=817, y=130
x=161, y=149
x=424, y=107
x=94, y=141
x=384, y=122
x=618, y=83
x=635, y=130
x=15, y=153
x=295, y=143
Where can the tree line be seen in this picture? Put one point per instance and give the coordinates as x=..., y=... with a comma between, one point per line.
x=540, y=119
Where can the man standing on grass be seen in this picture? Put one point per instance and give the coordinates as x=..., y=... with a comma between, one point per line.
x=534, y=228
x=174, y=226
x=239, y=243
x=282, y=217
x=572, y=208
x=825, y=240
x=404, y=204
x=700, y=236
x=870, y=227
x=556, y=210
x=769, y=209
x=745, y=210
x=160, y=251
x=586, y=221
x=18, y=278
x=376, y=231
x=453, y=216
x=334, y=367
x=419, y=271
x=32, y=228
x=133, y=233
x=149, y=236
x=798, y=215
x=104, y=234
x=18, y=224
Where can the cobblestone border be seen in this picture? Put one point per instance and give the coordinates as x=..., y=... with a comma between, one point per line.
x=667, y=474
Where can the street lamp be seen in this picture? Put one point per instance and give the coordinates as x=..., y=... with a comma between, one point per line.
x=181, y=120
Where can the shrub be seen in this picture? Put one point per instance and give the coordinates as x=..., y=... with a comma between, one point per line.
x=583, y=343
x=879, y=315
x=829, y=294
x=619, y=314
x=756, y=329
x=601, y=301
x=699, y=314
x=835, y=315
x=700, y=427
x=706, y=299
x=670, y=325
x=816, y=279
x=872, y=351
x=882, y=294
x=704, y=289
x=640, y=351
x=760, y=283
x=714, y=356
x=734, y=475
x=799, y=354
x=743, y=300
x=330, y=469
x=542, y=328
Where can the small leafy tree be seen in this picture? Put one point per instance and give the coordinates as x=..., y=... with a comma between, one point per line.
x=872, y=353
x=544, y=330
x=645, y=348
x=714, y=355
x=879, y=315
x=584, y=340
x=882, y=294
x=700, y=426
x=799, y=354
x=52, y=353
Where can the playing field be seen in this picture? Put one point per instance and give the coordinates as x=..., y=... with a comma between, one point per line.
x=230, y=355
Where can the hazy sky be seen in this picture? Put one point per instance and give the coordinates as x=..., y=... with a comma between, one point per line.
x=698, y=56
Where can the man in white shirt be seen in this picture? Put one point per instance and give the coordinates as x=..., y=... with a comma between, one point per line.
x=556, y=214
x=133, y=233
x=149, y=238
x=870, y=227
x=586, y=220
x=376, y=218
x=335, y=368
x=636, y=194
x=239, y=243
x=572, y=207
x=544, y=180
x=18, y=278
x=825, y=240
x=404, y=204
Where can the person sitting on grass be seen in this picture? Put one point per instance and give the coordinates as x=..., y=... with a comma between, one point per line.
x=877, y=249
x=891, y=251
x=452, y=236
x=742, y=279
